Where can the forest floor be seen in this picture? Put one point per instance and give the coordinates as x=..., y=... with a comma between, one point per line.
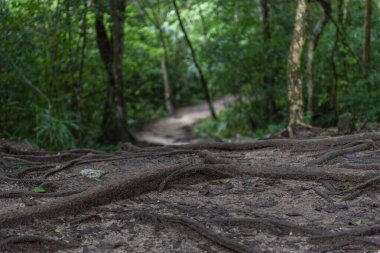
x=275, y=195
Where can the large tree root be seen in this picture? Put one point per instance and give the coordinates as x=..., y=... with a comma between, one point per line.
x=339, y=152
x=360, y=231
x=23, y=193
x=200, y=229
x=360, y=166
x=302, y=144
x=203, y=169
x=33, y=238
x=372, y=181
x=145, y=180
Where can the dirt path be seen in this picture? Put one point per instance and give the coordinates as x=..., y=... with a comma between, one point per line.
x=177, y=129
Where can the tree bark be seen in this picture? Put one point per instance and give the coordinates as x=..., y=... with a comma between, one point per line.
x=367, y=33
x=313, y=43
x=294, y=75
x=114, y=125
x=197, y=66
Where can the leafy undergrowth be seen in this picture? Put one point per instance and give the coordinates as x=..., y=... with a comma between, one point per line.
x=232, y=123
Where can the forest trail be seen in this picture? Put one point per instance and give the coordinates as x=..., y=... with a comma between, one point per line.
x=176, y=129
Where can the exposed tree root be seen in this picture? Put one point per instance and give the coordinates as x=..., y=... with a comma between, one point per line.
x=339, y=152
x=84, y=218
x=210, y=158
x=21, y=180
x=25, y=171
x=353, y=195
x=144, y=180
x=323, y=195
x=328, y=186
x=23, y=193
x=79, y=161
x=203, y=169
x=273, y=224
x=32, y=238
x=372, y=181
x=303, y=144
x=366, y=166
x=360, y=231
x=200, y=229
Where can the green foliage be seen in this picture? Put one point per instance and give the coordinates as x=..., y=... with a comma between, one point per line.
x=54, y=133
x=53, y=82
x=234, y=122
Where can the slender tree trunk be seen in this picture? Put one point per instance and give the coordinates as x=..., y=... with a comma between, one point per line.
x=267, y=80
x=114, y=126
x=78, y=83
x=164, y=62
x=198, y=67
x=165, y=75
x=294, y=74
x=313, y=43
x=367, y=33
x=333, y=91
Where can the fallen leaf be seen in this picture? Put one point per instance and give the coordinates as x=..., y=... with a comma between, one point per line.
x=38, y=189
x=356, y=222
x=225, y=181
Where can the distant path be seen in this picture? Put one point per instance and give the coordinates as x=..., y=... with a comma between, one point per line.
x=177, y=129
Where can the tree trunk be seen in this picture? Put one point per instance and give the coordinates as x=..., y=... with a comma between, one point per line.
x=114, y=125
x=165, y=75
x=198, y=67
x=164, y=62
x=267, y=80
x=294, y=74
x=313, y=43
x=367, y=33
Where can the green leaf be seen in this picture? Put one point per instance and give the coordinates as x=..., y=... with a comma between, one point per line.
x=225, y=181
x=251, y=233
x=58, y=230
x=356, y=222
x=38, y=189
